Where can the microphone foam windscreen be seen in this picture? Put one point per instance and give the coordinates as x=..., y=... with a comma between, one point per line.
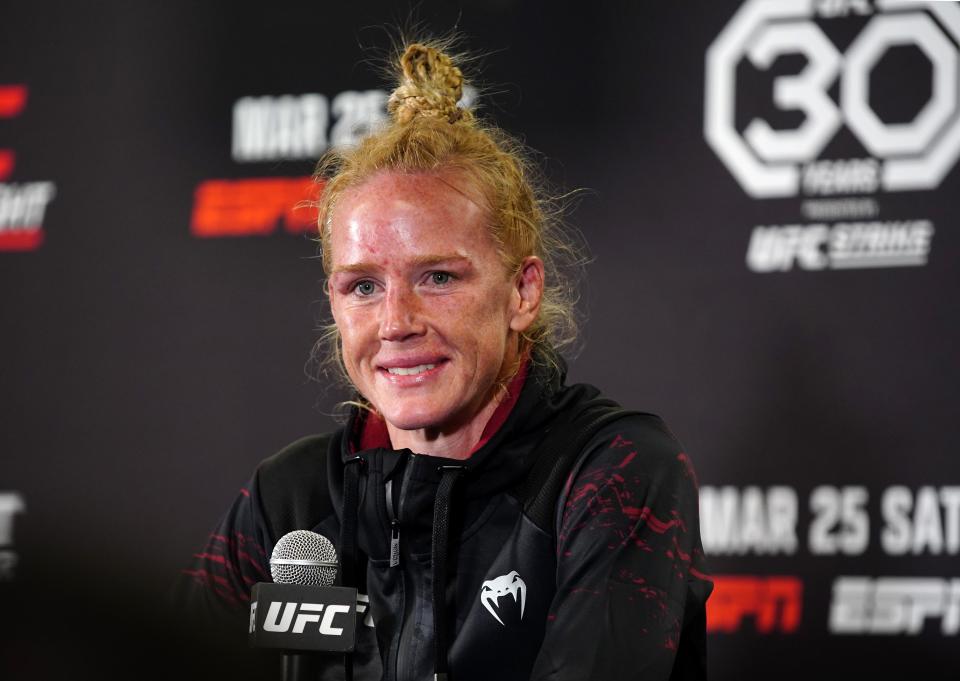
x=304, y=557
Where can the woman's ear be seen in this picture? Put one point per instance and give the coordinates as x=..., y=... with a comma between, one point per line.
x=528, y=289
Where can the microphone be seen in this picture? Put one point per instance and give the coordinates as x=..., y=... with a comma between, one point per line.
x=301, y=610
x=303, y=557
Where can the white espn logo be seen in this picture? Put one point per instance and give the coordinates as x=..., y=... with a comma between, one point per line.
x=894, y=605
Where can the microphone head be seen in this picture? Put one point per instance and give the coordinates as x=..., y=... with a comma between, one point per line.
x=304, y=557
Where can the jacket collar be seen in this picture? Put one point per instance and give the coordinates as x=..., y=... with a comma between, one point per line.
x=369, y=429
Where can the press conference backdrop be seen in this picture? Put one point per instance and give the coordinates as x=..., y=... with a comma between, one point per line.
x=772, y=211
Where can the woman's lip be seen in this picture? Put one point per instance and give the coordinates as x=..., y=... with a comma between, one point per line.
x=426, y=371
x=411, y=362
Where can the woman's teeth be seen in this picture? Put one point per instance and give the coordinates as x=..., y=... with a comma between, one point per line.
x=410, y=371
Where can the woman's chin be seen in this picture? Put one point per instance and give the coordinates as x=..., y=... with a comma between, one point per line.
x=412, y=419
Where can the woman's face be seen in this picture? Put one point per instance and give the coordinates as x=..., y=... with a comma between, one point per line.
x=427, y=313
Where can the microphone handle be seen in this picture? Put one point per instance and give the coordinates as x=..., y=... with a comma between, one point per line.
x=300, y=667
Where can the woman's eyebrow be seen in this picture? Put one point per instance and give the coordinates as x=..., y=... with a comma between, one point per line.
x=353, y=267
x=426, y=260
x=431, y=260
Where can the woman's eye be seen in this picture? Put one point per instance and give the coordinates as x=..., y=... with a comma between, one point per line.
x=440, y=278
x=364, y=288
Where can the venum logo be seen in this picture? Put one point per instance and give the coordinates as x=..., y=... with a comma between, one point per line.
x=772, y=163
x=493, y=589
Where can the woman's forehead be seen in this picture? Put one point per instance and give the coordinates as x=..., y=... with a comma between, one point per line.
x=408, y=213
x=422, y=186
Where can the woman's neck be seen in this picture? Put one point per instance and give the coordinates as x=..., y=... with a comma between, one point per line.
x=457, y=443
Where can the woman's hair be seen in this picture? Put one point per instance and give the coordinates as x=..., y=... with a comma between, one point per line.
x=429, y=132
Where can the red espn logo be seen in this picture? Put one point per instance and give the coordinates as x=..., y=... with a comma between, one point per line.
x=774, y=602
x=254, y=207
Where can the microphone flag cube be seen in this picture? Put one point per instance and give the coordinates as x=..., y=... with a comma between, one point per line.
x=307, y=618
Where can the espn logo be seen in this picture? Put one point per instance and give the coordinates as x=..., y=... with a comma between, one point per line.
x=254, y=207
x=774, y=603
x=894, y=605
x=308, y=613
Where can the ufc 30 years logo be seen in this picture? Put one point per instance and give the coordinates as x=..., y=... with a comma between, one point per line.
x=770, y=163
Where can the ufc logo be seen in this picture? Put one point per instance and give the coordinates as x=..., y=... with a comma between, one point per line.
x=768, y=162
x=300, y=615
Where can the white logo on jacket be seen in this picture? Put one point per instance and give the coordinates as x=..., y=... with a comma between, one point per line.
x=493, y=589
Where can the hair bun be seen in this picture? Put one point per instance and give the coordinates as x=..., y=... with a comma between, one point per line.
x=430, y=86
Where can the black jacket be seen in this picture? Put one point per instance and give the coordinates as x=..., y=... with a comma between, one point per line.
x=614, y=590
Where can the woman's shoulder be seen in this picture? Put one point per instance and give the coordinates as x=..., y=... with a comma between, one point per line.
x=638, y=443
x=301, y=455
x=292, y=486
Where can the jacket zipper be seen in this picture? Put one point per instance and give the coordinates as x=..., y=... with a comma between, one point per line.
x=394, y=527
x=395, y=532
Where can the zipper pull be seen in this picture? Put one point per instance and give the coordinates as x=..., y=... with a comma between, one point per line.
x=394, y=543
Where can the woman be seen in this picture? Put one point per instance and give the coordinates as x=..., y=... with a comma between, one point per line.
x=506, y=525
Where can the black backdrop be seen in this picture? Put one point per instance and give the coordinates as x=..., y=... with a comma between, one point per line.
x=798, y=339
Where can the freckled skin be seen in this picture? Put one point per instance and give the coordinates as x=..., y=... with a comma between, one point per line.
x=416, y=279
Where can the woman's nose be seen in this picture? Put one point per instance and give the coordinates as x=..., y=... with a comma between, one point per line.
x=401, y=315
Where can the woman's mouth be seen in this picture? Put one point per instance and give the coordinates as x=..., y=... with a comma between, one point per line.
x=411, y=371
